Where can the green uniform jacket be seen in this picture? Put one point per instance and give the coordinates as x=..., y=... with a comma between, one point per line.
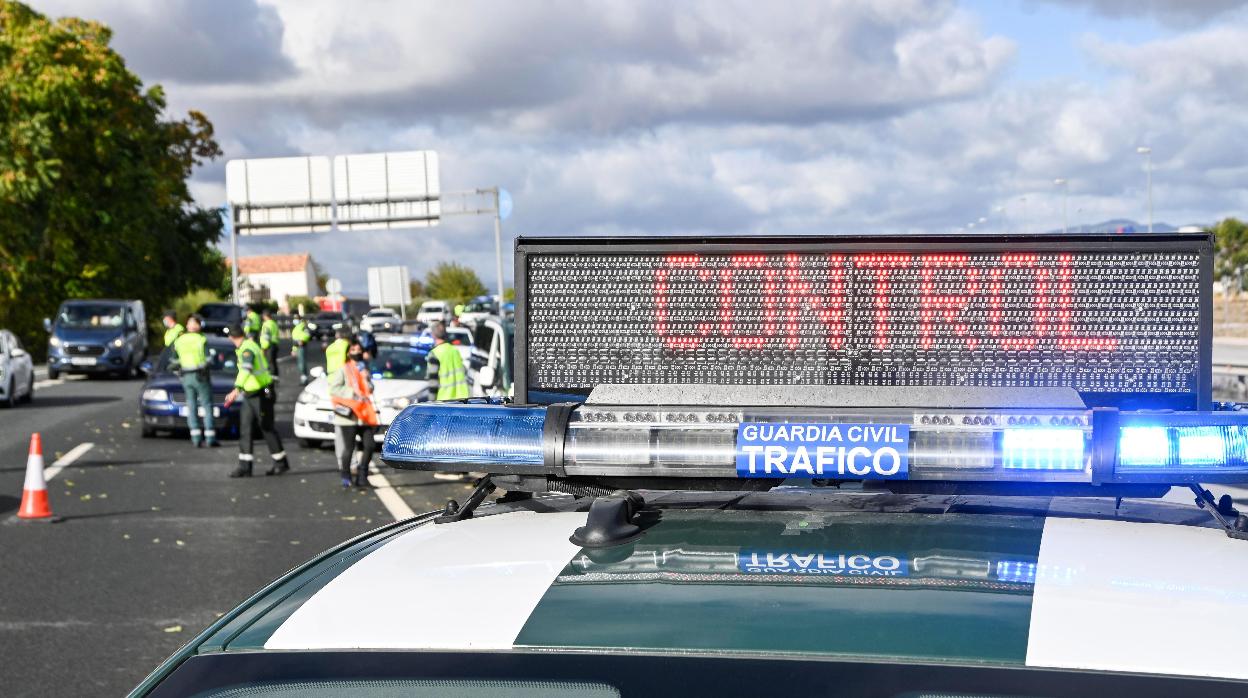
x=269, y=333
x=335, y=356
x=191, y=350
x=173, y=333
x=300, y=332
x=452, y=378
x=253, y=369
x=252, y=322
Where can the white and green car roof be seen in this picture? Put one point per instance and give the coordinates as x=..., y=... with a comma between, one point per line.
x=1141, y=588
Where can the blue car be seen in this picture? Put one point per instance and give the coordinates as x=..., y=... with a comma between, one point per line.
x=162, y=405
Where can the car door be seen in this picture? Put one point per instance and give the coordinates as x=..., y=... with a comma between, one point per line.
x=23, y=366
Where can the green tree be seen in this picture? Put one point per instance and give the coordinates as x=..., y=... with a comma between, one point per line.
x=93, y=194
x=1230, y=247
x=450, y=281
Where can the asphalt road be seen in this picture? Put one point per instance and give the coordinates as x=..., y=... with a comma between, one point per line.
x=157, y=542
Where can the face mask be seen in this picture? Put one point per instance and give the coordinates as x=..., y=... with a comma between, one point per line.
x=357, y=357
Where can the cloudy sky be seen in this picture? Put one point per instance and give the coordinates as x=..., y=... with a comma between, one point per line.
x=718, y=117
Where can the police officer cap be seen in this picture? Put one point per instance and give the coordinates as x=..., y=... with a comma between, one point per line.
x=237, y=331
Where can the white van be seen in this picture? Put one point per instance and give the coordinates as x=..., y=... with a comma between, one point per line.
x=435, y=311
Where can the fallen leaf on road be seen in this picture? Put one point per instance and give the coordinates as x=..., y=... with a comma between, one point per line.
x=347, y=518
x=69, y=483
x=155, y=540
x=102, y=495
x=129, y=472
x=294, y=542
x=85, y=498
x=173, y=629
x=125, y=425
x=155, y=508
x=125, y=536
x=178, y=542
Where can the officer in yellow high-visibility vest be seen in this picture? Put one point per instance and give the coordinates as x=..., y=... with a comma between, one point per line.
x=269, y=336
x=172, y=327
x=190, y=351
x=251, y=324
x=300, y=336
x=254, y=386
x=446, y=367
x=336, y=353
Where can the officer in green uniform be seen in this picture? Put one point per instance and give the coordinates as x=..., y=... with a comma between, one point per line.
x=269, y=335
x=300, y=335
x=190, y=351
x=251, y=324
x=336, y=353
x=446, y=367
x=253, y=386
x=172, y=327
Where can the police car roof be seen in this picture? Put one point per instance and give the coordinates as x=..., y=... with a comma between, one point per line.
x=1017, y=581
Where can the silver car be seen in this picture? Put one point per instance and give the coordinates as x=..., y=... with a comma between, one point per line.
x=17, y=371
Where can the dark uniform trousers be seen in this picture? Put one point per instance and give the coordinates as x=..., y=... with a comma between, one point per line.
x=270, y=355
x=257, y=414
x=367, y=446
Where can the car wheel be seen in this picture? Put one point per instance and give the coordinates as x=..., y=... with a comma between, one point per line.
x=30, y=389
x=147, y=432
x=10, y=400
x=53, y=374
x=308, y=443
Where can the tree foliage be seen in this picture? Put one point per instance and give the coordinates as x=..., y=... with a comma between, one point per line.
x=453, y=282
x=1231, y=247
x=93, y=193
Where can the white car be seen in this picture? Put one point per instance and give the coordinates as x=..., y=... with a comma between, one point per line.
x=398, y=373
x=478, y=309
x=489, y=362
x=381, y=320
x=17, y=371
x=435, y=311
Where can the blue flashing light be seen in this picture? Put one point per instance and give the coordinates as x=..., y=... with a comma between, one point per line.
x=473, y=434
x=1183, y=448
x=1020, y=571
x=1143, y=446
x=1043, y=449
x=1201, y=446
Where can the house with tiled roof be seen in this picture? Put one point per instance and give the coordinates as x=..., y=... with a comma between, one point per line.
x=276, y=277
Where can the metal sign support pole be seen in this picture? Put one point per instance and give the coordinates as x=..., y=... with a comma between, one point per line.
x=498, y=248
x=233, y=233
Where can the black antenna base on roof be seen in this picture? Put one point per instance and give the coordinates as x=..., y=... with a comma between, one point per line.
x=610, y=521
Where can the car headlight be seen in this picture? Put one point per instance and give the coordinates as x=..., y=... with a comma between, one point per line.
x=155, y=395
x=311, y=325
x=305, y=397
x=119, y=342
x=54, y=341
x=402, y=401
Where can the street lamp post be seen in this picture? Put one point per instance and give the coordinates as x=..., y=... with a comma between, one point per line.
x=1065, y=185
x=1147, y=152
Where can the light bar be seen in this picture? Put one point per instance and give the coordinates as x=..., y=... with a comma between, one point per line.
x=477, y=435
x=953, y=445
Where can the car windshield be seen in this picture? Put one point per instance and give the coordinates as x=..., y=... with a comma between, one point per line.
x=381, y=313
x=221, y=359
x=219, y=312
x=81, y=316
x=459, y=337
x=329, y=316
x=479, y=307
x=432, y=307
x=401, y=362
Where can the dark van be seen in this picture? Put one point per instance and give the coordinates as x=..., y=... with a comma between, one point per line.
x=219, y=317
x=97, y=336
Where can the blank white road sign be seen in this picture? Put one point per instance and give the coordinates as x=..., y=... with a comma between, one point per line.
x=387, y=190
x=388, y=286
x=280, y=195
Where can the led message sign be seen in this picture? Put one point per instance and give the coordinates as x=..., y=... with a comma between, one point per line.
x=1121, y=320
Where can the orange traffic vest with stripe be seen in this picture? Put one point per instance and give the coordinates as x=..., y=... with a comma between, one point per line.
x=362, y=408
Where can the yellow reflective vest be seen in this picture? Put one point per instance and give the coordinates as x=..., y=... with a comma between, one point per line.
x=452, y=378
x=191, y=348
x=269, y=333
x=173, y=333
x=253, y=369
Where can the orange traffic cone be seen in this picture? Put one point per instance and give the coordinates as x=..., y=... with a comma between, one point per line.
x=35, y=491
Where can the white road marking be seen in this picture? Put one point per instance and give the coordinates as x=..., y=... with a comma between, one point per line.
x=66, y=460
x=445, y=572
x=1121, y=596
x=389, y=498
